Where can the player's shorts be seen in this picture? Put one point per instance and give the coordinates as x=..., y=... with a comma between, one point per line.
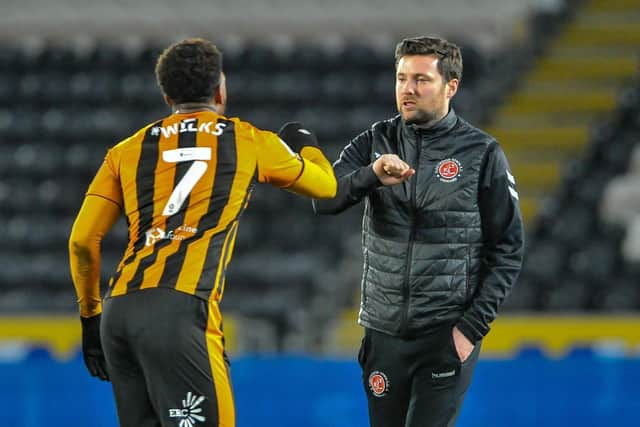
x=166, y=360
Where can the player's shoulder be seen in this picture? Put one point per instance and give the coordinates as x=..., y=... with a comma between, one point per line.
x=152, y=128
x=116, y=151
x=239, y=124
x=247, y=130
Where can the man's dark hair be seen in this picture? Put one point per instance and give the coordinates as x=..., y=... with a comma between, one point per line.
x=450, y=63
x=189, y=71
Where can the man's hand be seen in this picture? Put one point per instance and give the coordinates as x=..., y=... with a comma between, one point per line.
x=464, y=347
x=297, y=136
x=92, y=348
x=391, y=170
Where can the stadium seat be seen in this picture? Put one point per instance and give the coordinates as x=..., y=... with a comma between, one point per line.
x=569, y=295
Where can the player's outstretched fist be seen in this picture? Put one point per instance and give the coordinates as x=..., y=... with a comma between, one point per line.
x=297, y=136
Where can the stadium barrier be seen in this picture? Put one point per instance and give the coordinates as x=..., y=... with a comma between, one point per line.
x=591, y=382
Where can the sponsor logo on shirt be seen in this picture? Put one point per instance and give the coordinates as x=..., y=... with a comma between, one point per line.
x=156, y=234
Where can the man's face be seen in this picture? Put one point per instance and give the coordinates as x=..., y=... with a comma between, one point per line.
x=422, y=96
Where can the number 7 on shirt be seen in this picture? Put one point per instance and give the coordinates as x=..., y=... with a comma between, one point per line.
x=197, y=155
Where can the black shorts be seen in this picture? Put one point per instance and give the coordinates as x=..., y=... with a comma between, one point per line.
x=166, y=360
x=414, y=382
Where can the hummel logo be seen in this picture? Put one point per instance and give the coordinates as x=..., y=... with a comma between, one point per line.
x=514, y=193
x=189, y=411
x=511, y=179
x=443, y=374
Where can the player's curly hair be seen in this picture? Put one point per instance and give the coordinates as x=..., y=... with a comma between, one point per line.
x=450, y=64
x=189, y=70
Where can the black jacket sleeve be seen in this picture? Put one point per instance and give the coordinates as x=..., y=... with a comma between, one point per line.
x=355, y=175
x=503, y=235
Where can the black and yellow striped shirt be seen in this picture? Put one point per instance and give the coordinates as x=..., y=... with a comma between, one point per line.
x=182, y=183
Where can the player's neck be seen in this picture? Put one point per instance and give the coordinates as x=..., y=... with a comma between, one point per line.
x=192, y=107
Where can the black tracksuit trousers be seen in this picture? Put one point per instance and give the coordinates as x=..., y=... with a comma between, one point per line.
x=414, y=382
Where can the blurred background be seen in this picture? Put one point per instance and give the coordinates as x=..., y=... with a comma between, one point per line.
x=556, y=81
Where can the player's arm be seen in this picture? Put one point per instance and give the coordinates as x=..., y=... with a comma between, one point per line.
x=100, y=210
x=307, y=172
x=96, y=217
x=356, y=177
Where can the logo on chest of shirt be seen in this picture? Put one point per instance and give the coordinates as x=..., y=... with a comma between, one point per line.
x=448, y=170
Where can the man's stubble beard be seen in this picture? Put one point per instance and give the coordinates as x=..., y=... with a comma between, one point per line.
x=421, y=117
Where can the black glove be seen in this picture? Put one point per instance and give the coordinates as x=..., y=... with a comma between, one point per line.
x=296, y=136
x=92, y=348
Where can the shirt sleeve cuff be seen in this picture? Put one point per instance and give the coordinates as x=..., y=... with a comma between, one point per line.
x=473, y=330
x=365, y=180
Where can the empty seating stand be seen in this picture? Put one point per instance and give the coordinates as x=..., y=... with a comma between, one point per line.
x=63, y=105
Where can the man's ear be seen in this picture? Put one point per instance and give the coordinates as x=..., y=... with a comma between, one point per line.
x=168, y=101
x=452, y=87
x=220, y=95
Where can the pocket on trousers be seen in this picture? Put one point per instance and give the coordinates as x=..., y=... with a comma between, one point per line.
x=446, y=372
x=452, y=346
x=362, y=352
x=473, y=355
